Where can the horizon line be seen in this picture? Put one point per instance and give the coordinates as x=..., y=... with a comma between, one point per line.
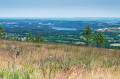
x=61, y=17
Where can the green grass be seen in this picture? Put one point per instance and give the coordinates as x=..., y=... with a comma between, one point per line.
x=115, y=44
x=109, y=38
x=62, y=41
x=79, y=43
x=49, y=38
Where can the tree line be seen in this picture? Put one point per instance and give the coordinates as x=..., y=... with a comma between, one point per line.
x=29, y=36
x=91, y=38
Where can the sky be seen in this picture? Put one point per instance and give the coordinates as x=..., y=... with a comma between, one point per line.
x=59, y=8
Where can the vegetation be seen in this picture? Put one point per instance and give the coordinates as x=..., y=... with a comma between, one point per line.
x=87, y=32
x=56, y=61
x=39, y=38
x=1, y=30
x=99, y=38
x=30, y=38
x=31, y=60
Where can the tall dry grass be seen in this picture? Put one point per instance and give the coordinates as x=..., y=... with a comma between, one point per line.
x=57, y=61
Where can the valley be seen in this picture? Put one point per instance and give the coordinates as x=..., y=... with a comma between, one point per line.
x=66, y=31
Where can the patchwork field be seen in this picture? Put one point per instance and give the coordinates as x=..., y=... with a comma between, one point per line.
x=57, y=61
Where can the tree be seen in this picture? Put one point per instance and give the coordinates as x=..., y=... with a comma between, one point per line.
x=29, y=37
x=1, y=31
x=87, y=32
x=39, y=38
x=99, y=38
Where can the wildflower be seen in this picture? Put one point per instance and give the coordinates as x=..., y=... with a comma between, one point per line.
x=23, y=72
x=104, y=70
x=65, y=72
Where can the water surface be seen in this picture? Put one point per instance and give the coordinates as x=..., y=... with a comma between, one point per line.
x=63, y=28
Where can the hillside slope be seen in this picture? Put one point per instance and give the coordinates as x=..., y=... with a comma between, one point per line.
x=57, y=61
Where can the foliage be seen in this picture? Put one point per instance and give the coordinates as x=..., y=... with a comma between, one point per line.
x=29, y=37
x=16, y=75
x=2, y=74
x=99, y=38
x=39, y=38
x=87, y=32
x=1, y=30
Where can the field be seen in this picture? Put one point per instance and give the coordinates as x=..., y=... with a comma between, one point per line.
x=57, y=61
x=115, y=44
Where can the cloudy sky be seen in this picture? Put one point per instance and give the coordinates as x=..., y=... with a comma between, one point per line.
x=59, y=8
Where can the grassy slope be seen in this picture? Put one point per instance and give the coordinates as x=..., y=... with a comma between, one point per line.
x=56, y=61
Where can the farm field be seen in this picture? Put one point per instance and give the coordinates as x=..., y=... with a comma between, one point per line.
x=57, y=61
x=115, y=44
